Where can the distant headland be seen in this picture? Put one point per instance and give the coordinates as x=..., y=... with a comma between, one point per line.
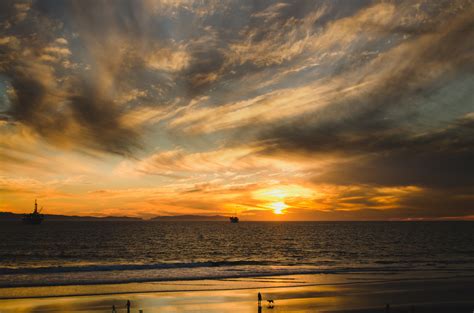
x=189, y=218
x=9, y=216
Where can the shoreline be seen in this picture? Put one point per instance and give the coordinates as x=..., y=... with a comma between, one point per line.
x=60, y=277
x=292, y=293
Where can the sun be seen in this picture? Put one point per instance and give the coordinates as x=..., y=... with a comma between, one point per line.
x=278, y=207
x=277, y=197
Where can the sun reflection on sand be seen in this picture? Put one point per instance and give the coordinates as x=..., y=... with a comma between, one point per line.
x=295, y=293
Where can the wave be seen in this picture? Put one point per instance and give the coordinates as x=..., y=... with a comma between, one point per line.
x=128, y=267
x=113, y=279
x=321, y=265
x=104, y=274
x=105, y=281
x=174, y=272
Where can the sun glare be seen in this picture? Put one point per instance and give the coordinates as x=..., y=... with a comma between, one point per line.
x=275, y=198
x=278, y=207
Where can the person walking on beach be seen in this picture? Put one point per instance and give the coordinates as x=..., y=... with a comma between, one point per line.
x=113, y=309
x=128, y=306
x=259, y=299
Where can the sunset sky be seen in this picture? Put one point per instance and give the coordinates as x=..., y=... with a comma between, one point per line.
x=274, y=110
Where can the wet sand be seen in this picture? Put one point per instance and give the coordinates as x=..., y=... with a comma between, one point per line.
x=420, y=292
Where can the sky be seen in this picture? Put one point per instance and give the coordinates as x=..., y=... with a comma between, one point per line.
x=271, y=110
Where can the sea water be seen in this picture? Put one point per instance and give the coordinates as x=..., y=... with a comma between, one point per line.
x=75, y=253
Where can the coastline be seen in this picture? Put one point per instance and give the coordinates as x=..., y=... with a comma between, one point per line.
x=370, y=292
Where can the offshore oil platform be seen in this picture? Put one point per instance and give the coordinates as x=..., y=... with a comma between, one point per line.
x=34, y=218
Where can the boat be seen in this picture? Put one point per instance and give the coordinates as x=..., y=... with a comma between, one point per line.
x=34, y=218
x=234, y=219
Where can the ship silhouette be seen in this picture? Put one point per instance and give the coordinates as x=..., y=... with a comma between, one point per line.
x=34, y=218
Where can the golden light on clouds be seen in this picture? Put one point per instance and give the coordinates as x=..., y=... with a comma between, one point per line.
x=290, y=110
x=278, y=207
x=275, y=198
x=282, y=192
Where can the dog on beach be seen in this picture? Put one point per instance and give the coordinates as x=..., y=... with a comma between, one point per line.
x=271, y=304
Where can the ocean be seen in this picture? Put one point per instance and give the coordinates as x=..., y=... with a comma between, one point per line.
x=81, y=253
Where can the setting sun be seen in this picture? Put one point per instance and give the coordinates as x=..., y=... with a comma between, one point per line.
x=278, y=207
x=277, y=197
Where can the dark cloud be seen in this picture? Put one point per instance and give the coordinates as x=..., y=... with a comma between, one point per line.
x=394, y=130
x=65, y=107
x=79, y=116
x=101, y=121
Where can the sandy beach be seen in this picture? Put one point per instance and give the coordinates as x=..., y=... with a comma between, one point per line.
x=405, y=292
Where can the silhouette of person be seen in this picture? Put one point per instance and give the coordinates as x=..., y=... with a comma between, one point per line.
x=128, y=306
x=259, y=299
x=113, y=309
x=387, y=308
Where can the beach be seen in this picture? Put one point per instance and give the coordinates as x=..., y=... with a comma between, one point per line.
x=404, y=292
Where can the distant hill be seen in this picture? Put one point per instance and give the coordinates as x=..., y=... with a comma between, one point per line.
x=8, y=216
x=191, y=218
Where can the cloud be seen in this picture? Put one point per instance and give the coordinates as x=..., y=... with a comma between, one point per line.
x=230, y=164
x=396, y=126
x=369, y=105
x=169, y=59
x=82, y=116
x=387, y=77
x=275, y=105
x=66, y=110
